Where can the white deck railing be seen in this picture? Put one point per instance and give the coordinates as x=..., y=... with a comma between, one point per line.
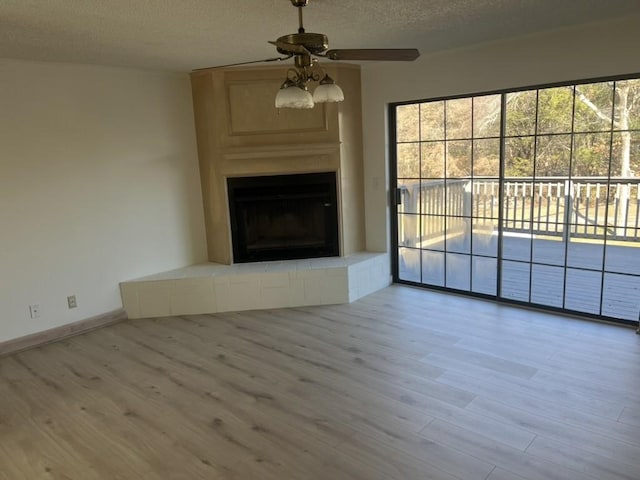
x=590, y=207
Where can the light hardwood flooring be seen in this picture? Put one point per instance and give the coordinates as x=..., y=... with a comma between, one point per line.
x=403, y=384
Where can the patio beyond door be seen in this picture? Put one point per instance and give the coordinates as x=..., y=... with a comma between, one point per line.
x=528, y=196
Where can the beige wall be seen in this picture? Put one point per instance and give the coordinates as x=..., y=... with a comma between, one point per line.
x=98, y=184
x=590, y=51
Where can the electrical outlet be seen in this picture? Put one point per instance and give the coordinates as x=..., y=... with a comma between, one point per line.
x=34, y=310
x=71, y=301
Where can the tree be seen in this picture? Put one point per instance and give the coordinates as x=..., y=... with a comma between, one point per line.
x=627, y=97
x=623, y=115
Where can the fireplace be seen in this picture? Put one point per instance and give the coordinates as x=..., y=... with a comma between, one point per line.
x=283, y=217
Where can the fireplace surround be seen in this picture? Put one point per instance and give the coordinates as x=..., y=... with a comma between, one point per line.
x=283, y=217
x=241, y=134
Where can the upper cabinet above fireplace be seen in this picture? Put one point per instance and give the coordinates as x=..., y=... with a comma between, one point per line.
x=240, y=133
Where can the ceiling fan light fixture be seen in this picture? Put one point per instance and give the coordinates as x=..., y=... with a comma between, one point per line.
x=328, y=91
x=291, y=95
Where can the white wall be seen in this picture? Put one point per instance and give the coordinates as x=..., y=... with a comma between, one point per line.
x=99, y=183
x=595, y=50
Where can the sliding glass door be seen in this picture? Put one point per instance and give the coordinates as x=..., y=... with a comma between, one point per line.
x=529, y=196
x=447, y=191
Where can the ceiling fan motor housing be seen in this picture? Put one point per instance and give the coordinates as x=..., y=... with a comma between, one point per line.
x=315, y=43
x=303, y=45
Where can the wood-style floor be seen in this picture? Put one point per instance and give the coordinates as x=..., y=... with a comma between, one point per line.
x=403, y=384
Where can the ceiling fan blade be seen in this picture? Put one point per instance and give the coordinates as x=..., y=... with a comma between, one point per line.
x=274, y=59
x=381, y=54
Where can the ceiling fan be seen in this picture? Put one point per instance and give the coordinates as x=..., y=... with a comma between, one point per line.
x=303, y=46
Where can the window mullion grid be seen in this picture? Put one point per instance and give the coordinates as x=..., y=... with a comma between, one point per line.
x=568, y=198
x=533, y=183
x=420, y=199
x=445, y=190
x=606, y=210
x=570, y=207
x=501, y=170
x=471, y=199
x=393, y=180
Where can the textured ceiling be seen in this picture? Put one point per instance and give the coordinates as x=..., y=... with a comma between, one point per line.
x=182, y=35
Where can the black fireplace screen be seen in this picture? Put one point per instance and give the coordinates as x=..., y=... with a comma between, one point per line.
x=283, y=217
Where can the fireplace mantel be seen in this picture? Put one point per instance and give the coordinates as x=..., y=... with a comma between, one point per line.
x=240, y=133
x=281, y=151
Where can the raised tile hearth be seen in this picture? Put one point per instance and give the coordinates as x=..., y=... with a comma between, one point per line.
x=212, y=287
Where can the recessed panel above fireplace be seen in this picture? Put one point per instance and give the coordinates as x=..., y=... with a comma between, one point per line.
x=283, y=217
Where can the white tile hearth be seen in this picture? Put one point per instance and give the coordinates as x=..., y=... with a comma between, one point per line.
x=212, y=287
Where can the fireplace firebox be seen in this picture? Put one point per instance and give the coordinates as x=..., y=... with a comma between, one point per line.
x=283, y=217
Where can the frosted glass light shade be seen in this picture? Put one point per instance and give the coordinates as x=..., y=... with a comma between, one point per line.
x=328, y=92
x=293, y=97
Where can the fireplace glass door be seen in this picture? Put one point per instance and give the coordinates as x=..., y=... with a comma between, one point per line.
x=283, y=217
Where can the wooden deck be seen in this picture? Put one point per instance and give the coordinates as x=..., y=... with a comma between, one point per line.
x=403, y=384
x=621, y=288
